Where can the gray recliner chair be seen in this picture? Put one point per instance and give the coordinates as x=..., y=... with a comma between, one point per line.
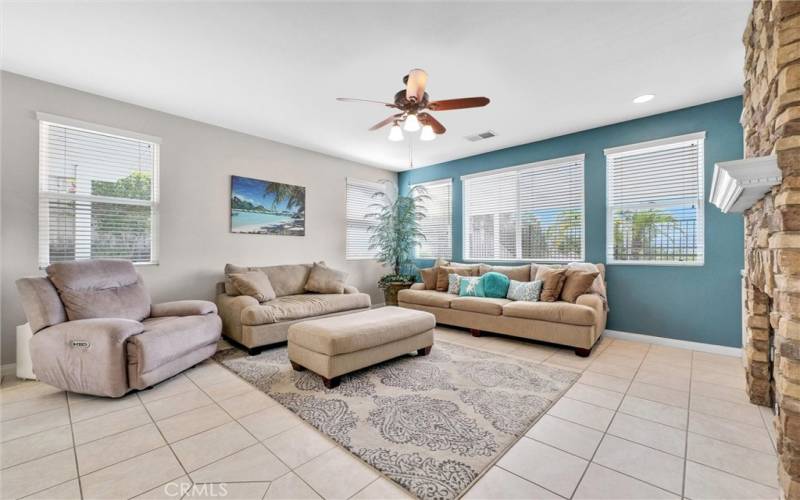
x=96, y=332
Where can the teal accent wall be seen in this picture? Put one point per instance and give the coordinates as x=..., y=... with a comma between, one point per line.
x=700, y=303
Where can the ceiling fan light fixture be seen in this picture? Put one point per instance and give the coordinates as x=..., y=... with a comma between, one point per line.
x=427, y=134
x=643, y=98
x=395, y=133
x=411, y=123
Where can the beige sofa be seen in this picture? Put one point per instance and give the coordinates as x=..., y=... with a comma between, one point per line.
x=96, y=332
x=255, y=325
x=578, y=325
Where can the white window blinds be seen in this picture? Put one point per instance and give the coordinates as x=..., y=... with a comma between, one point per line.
x=359, y=198
x=655, y=202
x=530, y=212
x=98, y=192
x=437, y=224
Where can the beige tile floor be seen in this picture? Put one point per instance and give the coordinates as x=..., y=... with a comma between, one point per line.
x=642, y=422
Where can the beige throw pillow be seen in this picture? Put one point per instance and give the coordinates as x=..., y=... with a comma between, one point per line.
x=552, y=281
x=253, y=283
x=442, y=273
x=429, y=277
x=577, y=283
x=323, y=279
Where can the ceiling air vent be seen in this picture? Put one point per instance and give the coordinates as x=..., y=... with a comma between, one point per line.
x=481, y=136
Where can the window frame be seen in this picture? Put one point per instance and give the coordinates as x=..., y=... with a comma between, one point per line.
x=648, y=146
x=365, y=183
x=43, y=237
x=449, y=182
x=581, y=158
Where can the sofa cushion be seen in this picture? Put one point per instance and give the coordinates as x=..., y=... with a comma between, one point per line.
x=169, y=338
x=286, y=280
x=324, y=279
x=364, y=330
x=483, y=305
x=100, y=289
x=556, y=312
x=292, y=307
x=431, y=298
x=470, y=286
x=253, y=283
x=517, y=273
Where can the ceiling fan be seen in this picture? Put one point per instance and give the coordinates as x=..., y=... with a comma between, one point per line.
x=413, y=104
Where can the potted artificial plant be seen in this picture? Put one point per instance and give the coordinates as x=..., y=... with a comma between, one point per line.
x=395, y=232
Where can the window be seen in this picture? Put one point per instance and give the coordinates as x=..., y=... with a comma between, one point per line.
x=437, y=224
x=529, y=212
x=359, y=199
x=98, y=192
x=655, y=202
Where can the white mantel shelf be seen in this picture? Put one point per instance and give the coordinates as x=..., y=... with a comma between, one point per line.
x=738, y=184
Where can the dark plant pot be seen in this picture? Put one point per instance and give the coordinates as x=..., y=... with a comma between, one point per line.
x=390, y=292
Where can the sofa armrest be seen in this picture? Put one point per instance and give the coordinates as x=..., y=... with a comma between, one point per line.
x=596, y=303
x=418, y=286
x=230, y=310
x=350, y=289
x=183, y=308
x=87, y=356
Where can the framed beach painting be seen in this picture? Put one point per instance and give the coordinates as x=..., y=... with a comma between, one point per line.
x=264, y=207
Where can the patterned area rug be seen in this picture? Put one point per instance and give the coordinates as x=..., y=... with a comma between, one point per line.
x=432, y=424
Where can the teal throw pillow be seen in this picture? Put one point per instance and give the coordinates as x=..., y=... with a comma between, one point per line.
x=495, y=285
x=525, y=290
x=470, y=286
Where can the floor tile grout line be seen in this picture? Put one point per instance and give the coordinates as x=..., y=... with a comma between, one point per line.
x=738, y=476
x=748, y=448
x=769, y=434
x=74, y=448
x=163, y=437
x=524, y=479
x=365, y=487
x=605, y=432
x=258, y=441
x=686, y=434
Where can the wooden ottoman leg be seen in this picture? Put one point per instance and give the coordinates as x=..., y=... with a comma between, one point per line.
x=296, y=367
x=475, y=332
x=424, y=351
x=331, y=383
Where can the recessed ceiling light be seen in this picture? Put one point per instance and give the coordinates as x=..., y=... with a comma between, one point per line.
x=643, y=98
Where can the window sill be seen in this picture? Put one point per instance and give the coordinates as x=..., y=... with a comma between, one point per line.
x=654, y=263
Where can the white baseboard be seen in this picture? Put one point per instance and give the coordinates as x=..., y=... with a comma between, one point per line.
x=8, y=369
x=680, y=344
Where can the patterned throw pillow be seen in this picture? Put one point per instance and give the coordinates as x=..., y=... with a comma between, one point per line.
x=469, y=286
x=525, y=290
x=453, y=283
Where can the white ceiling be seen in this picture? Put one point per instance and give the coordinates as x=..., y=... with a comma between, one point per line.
x=274, y=69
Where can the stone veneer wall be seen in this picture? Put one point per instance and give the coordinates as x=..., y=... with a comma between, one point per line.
x=771, y=121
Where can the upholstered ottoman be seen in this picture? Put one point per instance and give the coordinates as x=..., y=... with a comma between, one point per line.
x=334, y=346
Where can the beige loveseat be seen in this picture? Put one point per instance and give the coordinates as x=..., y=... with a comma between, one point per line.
x=578, y=325
x=255, y=325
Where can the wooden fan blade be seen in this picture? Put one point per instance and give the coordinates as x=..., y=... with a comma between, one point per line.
x=415, y=84
x=350, y=99
x=464, y=102
x=427, y=119
x=385, y=122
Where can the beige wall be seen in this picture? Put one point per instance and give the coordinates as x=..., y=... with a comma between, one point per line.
x=197, y=161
